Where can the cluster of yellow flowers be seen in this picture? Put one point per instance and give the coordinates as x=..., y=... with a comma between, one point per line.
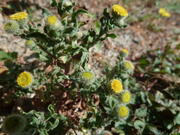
x=20, y=18
x=125, y=96
x=117, y=87
x=121, y=11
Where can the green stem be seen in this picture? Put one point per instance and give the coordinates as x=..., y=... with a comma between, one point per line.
x=51, y=55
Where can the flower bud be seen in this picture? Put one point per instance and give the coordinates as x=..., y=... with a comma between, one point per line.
x=67, y=3
x=14, y=123
x=87, y=77
x=128, y=65
x=11, y=27
x=124, y=52
x=126, y=97
x=123, y=111
x=30, y=43
x=53, y=22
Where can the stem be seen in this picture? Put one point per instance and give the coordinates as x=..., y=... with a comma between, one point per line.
x=74, y=131
x=51, y=55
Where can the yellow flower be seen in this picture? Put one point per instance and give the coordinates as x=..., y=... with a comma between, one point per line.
x=128, y=65
x=119, y=10
x=24, y=79
x=52, y=20
x=123, y=111
x=124, y=52
x=164, y=12
x=116, y=86
x=18, y=16
x=87, y=76
x=126, y=97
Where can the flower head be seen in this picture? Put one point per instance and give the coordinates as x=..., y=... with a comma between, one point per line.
x=119, y=10
x=116, y=86
x=124, y=52
x=126, y=97
x=18, y=16
x=14, y=123
x=128, y=65
x=87, y=76
x=11, y=27
x=123, y=111
x=24, y=79
x=52, y=20
x=164, y=12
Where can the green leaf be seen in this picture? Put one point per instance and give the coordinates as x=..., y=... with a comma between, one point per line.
x=51, y=109
x=112, y=102
x=144, y=61
x=177, y=66
x=78, y=12
x=53, y=3
x=7, y=56
x=46, y=12
x=111, y=35
x=177, y=119
x=138, y=124
x=141, y=112
x=97, y=26
x=154, y=130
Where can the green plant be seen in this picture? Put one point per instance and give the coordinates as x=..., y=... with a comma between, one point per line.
x=64, y=47
x=44, y=124
x=160, y=73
